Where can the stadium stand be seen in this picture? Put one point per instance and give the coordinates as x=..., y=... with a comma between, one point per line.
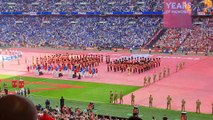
x=78, y=31
x=81, y=5
x=172, y=39
x=197, y=39
x=91, y=6
x=98, y=31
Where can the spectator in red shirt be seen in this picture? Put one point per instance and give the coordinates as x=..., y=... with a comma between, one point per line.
x=45, y=116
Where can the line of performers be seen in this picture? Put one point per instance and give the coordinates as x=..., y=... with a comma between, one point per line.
x=77, y=66
x=147, y=79
x=162, y=74
x=133, y=65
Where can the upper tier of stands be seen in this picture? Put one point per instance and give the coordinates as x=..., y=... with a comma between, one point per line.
x=81, y=5
x=91, y=6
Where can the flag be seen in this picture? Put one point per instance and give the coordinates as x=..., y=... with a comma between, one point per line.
x=21, y=84
x=14, y=83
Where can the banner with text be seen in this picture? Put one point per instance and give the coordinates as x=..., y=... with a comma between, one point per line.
x=177, y=14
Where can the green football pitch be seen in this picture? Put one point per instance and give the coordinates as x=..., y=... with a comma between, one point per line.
x=81, y=91
x=78, y=94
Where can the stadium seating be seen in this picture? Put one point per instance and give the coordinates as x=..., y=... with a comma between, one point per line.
x=197, y=39
x=80, y=5
x=172, y=39
x=100, y=31
x=77, y=31
x=198, y=6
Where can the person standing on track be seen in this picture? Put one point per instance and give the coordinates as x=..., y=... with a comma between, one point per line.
x=168, y=71
x=150, y=100
x=184, y=64
x=169, y=100
x=160, y=74
x=198, y=103
x=145, y=81
x=149, y=80
x=132, y=99
x=177, y=67
x=183, y=105
x=164, y=72
x=154, y=77
x=180, y=66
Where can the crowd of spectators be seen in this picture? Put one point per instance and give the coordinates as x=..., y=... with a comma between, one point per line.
x=81, y=5
x=104, y=32
x=69, y=113
x=93, y=31
x=202, y=7
x=92, y=6
x=172, y=39
x=77, y=31
x=197, y=39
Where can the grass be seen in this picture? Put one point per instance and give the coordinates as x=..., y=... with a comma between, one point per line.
x=99, y=94
x=123, y=110
x=31, y=86
x=91, y=92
